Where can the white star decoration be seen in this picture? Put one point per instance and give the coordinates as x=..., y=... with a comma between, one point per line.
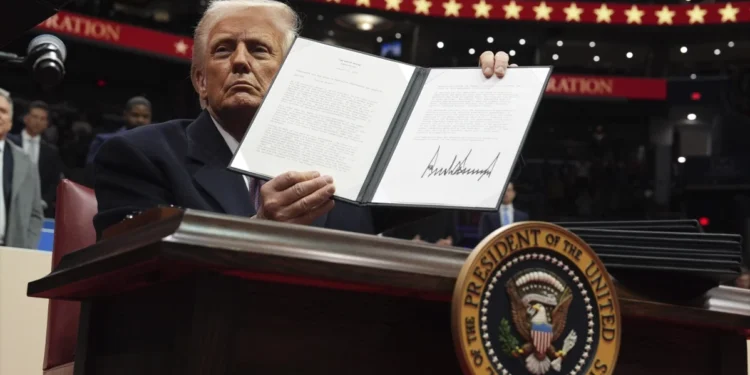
x=181, y=47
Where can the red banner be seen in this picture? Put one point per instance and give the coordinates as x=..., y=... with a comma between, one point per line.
x=613, y=87
x=180, y=47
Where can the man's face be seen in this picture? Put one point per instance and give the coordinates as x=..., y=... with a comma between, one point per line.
x=5, y=120
x=138, y=115
x=36, y=121
x=243, y=54
x=510, y=194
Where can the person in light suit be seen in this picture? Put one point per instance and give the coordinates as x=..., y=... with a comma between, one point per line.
x=507, y=214
x=239, y=47
x=21, y=212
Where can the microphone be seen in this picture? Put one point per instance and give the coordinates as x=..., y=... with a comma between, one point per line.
x=45, y=56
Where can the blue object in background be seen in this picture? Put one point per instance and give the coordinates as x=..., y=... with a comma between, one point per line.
x=48, y=235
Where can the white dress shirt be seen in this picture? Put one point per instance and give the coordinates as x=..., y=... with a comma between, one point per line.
x=31, y=146
x=2, y=193
x=232, y=144
x=506, y=214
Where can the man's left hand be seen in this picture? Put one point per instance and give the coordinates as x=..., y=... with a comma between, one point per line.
x=494, y=63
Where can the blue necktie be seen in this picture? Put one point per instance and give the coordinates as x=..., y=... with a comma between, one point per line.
x=506, y=216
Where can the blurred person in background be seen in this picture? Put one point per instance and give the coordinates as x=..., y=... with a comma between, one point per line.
x=239, y=47
x=137, y=113
x=507, y=215
x=42, y=153
x=21, y=212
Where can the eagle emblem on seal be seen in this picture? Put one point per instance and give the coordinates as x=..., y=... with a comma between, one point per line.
x=539, y=303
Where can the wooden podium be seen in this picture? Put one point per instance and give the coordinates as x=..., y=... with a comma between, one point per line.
x=193, y=292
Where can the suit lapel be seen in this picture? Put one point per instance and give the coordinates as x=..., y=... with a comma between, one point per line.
x=21, y=166
x=210, y=156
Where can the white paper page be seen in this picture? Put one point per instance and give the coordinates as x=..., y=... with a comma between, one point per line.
x=328, y=110
x=462, y=138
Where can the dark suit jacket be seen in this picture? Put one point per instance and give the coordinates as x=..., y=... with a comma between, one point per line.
x=50, y=171
x=184, y=163
x=489, y=222
x=97, y=143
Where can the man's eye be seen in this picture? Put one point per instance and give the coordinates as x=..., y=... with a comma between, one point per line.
x=260, y=49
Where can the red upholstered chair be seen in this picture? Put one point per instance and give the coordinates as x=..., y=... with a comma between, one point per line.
x=74, y=230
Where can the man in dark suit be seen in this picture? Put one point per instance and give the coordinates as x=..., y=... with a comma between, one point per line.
x=239, y=47
x=137, y=113
x=508, y=214
x=42, y=153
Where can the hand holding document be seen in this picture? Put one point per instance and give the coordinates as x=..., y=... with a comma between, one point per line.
x=390, y=133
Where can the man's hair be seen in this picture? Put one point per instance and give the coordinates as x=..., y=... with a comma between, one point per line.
x=218, y=9
x=137, y=100
x=38, y=104
x=5, y=94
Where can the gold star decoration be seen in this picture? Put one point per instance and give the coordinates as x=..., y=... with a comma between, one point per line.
x=512, y=10
x=696, y=14
x=729, y=13
x=452, y=8
x=482, y=9
x=573, y=13
x=335, y=1
x=365, y=3
x=542, y=11
x=393, y=5
x=634, y=15
x=664, y=15
x=604, y=14
x=422, y=6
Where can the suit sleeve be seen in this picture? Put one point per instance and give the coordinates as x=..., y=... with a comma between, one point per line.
x=125, y=181
x=485, y=226
x=37, y=213
x=96, y=144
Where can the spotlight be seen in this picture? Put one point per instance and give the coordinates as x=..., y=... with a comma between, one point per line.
x=629, y=55
x=512, y=52
x=330, y=33
x=398, y=35
x=596, y=58
x=471, y=51
x=440, y=44
x=730, y=44
x=320, y=17
x=681, y=160
x=693, y=76
x=365, y=26
x=555, y=57
x=559, y=43
x=717, y=52
x=490, y=39
x=379, y=39
x=592, y=44
x=683, y=49
x=522, y=41
x=691, y=116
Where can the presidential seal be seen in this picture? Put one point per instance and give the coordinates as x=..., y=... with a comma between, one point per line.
x=533, y=298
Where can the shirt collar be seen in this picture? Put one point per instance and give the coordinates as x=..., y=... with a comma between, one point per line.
x=506, y=207
x=231, y=142
x=2, y=145
x=27, y=137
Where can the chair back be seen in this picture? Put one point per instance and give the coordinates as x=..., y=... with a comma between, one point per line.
x=74, y=230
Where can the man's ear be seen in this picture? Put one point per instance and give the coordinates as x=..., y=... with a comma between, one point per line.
x=199, y=82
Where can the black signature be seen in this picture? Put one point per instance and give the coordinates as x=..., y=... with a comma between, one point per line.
x=457, y=167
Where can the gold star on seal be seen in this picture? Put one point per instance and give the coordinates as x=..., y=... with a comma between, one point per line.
x=573, y=13
x=512, y=10
x=634, y=15
x=422, y=6
x=542, y=11
x=665, y=15
x=729, y=13
x=696, y=14
x=452, y=8
x=604, y=14
x=393, y=5
x=482, y=9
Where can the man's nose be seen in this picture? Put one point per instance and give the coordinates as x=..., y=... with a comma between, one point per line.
x=241, y=59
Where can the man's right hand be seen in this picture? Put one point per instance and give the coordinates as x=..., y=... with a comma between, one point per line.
x=296, y=197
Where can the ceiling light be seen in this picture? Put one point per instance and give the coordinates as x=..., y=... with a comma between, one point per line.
x=512, y=52
x=592, y=44
x=379, y=39
x=366, y=26
x=559, y=43
x=693, y=76
x=490, y=39
x=596, y=58
x=398, y=35
x=320, y=17
x=681, y=159
x=717, y=52
x=683, y=49
x=440, y=45
x=471, y=51
x=330, y=32
x=555, y=57
x=629, y=55
x=691, y=116
x=522, y=41
x=730, y=44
